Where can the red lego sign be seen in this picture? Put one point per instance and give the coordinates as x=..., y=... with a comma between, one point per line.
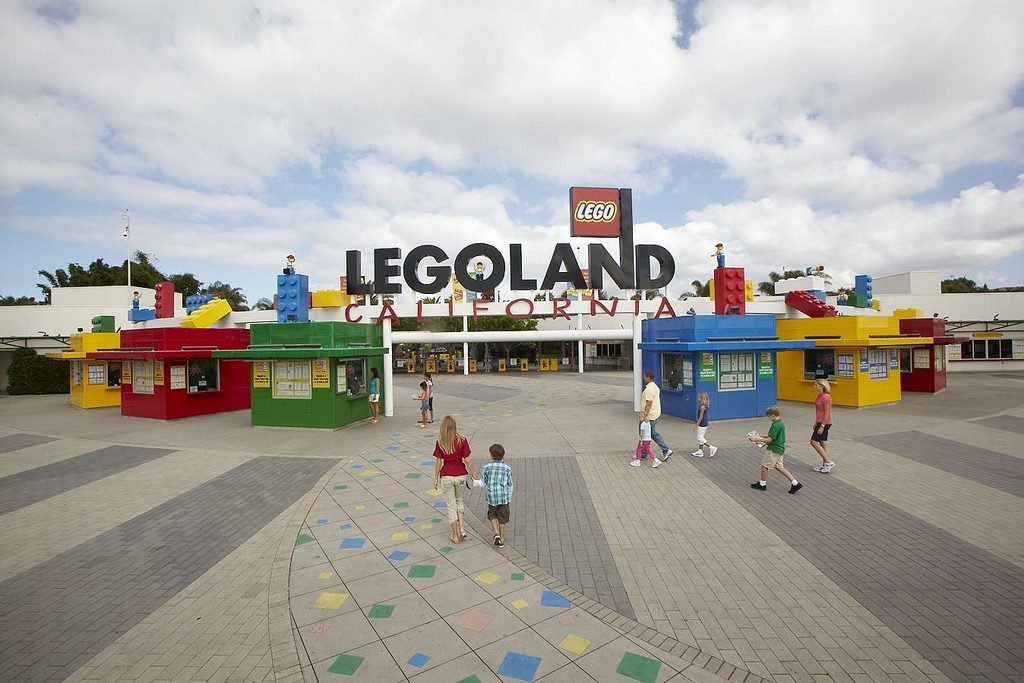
x=595, y=212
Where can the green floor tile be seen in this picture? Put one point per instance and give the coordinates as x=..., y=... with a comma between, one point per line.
x=378, y=460
x=470, y=679
x=436, y=520
x=304, y=539
x=639, y=668
x=414, y=475
x=382, y=612
x=422, y=571
x=447, y=549
x=341, y=487
x=516, y=576
x=399, y=506
x=345, y=665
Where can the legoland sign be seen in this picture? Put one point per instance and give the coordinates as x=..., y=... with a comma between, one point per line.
x=594, y=211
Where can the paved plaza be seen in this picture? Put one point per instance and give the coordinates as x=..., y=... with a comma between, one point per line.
x=206, y=549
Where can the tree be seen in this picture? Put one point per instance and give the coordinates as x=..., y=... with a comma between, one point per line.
x=264, y=304
x=961, y=285
x=186, y=284
x=18, y=301
x=233, y=295
x=646, y=294
x=701, y=288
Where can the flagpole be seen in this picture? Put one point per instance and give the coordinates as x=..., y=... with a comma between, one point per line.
x=128, y=235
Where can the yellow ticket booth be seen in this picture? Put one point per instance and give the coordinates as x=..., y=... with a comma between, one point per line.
x=501, y=365
x=472, y=364
x=543, y=365
x=94, y=383
x=430, y=365
x=858, y=355
x=524, y=365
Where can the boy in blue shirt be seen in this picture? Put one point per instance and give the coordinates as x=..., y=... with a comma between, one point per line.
x=497, y=476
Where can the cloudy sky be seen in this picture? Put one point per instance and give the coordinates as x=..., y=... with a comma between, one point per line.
x=870, y=137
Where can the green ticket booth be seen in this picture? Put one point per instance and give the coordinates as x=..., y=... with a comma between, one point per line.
x=311, y=374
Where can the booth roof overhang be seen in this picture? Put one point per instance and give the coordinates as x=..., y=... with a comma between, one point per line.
x=285, y=352
x=728, y=345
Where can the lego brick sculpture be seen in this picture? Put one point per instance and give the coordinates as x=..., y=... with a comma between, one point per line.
x=292, y=298
x=810, y=305
x=730, y=291
x=164, y=299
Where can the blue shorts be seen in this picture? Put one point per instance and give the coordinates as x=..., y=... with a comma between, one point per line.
x=424, y=405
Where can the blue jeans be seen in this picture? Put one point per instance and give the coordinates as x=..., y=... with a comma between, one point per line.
x=658, y=438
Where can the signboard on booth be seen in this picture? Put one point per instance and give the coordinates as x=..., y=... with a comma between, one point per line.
x=554, y=365
x=524, y=365
x=472, y=364
x=544, y=364
x=707, y=366
x=430, y=366
x=126, y=372
x=260, y=374
x=863, y=360
x=501, y=365
x=321, y=375
x=158, y=374
x=764, y=364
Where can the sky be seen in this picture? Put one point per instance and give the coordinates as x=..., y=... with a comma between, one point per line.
x=870, y=137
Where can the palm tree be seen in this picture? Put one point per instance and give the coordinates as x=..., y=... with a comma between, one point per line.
x=264, y=304
x=233, y=295
x=701, y=288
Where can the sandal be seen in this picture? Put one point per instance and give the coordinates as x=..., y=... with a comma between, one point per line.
x=453, y=539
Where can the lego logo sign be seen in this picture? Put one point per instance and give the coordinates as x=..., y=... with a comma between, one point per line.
x=595, y=212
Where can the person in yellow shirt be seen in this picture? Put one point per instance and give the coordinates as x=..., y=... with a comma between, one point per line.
x=651, y=411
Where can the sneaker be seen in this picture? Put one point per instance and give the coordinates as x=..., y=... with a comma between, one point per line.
x=698, y=454
x=820, y=468
x=714, y=449
x=497, y=540
x=656, y=463
x=500, y=542
x=634, y=463
x=828, y=467
x=759, y=486
x=795, y=487
x=668, y=454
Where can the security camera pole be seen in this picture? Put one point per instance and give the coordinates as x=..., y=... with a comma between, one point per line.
x=128, y=235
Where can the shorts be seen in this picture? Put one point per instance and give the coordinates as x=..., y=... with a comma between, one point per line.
x=823, y=436
x=499, y=512
x=701, y=431
x=431, y=402
x=424, y=405
x=771, y=460
x=374, y=398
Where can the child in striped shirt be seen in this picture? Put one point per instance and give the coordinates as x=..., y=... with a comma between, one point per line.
x=497, y=476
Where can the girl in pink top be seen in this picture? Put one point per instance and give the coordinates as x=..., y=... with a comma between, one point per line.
x=451, y=465
x=822, y=425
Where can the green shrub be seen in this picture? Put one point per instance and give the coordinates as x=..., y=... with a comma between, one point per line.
x=30, y=373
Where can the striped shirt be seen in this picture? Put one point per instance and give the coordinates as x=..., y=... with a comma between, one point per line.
x=498, y=478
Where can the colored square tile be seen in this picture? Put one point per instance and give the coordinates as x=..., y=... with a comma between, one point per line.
x=553, y=599
x=354, y=542
x=330, y=601
x=520, y=603
x=470, y=679
x=346, y=665
x=447, y=549
x=440, y=504
x=474, y=620
x=488, y=578
x=567, y=619
x=398, y=556
x=341, y=487
x=408, y=520
x=381, y=612
x=358, y=466
x=426, y=527
x=436, y=520
x=303, y=539
x=400, y=505
x=517, y=576
x=414, y=475
x=574, y=644
x=377, y=460
x=639, y=668
x=418, y=660
x=344, y=526
x=434, y=492
x=427, y=462
x=519, y=666
x=323, y=576
x=322, y=521
x=400, y=536
x=360, y=508
x=369, y=473
x=422, y=571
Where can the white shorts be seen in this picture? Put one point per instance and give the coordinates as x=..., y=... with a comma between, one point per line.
x=374, y=398
x=701, y=431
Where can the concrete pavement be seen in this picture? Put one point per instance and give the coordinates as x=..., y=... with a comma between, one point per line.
x=207, y=549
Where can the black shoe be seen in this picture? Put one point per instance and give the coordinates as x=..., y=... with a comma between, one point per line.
x=759, y=486
x=795, y=487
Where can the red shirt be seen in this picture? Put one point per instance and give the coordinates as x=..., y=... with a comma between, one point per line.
x=452, y=464
x=819, y=407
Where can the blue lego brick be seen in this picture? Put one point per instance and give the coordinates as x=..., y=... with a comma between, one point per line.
x=817, y=293
x=862, y=286
x=196, y=301
x=292, y=298
x=138, y=315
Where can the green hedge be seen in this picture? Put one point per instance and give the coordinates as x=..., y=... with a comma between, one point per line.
x=30, y=373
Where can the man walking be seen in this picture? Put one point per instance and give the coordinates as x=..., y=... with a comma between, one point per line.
x=651, y=411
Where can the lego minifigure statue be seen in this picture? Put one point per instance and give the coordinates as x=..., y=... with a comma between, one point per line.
x=841, y=300
x=720, y=254
x=289, y=268
x=136, y=300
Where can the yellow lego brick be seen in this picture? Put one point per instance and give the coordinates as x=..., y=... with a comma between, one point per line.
x=94, y=341
x=908, y=313
x=876, y=304
x=711, y=289
x=748, y=290
x=330, y=298
x=208, y=314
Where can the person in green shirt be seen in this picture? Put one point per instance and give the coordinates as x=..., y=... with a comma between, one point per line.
x=773, y=452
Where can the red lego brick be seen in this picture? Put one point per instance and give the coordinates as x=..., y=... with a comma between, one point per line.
x=730, y=292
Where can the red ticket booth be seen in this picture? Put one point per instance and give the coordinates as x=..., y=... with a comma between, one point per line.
x=169, y=372
x=923, y=368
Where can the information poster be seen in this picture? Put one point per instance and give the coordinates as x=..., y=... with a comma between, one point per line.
x=321, y=376
x=178, y=379
x=158, y=374
x=894, y=360
x=764, y=364
x=863, y=360
x=342, y=382
x=707, y=366
x=261, y=374
x=126, y=372
x=96, y=374
x=922, y=358
x=844, y=365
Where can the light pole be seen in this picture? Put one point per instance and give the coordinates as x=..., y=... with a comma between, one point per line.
x=128, y=236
